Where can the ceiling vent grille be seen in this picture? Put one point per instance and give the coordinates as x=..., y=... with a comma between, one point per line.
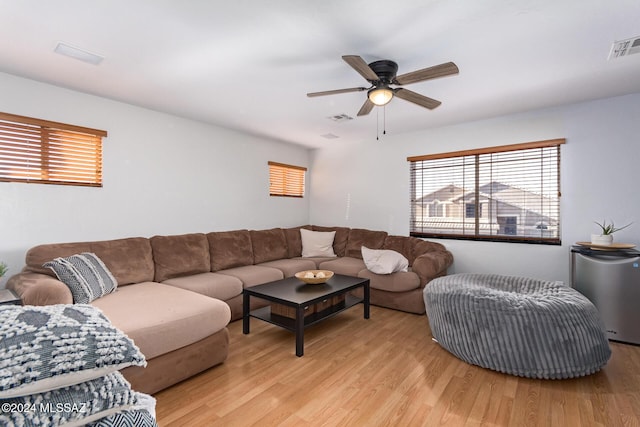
x=340, y=118
x=625, y=47
x=330, y=136
x=77, y=53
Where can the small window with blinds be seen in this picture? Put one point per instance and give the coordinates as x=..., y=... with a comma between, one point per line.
x=45, y=152
x=509, y=194
x=286, y=180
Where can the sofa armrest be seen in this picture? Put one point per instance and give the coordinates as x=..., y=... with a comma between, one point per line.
x=39, y=289
x=430, y=265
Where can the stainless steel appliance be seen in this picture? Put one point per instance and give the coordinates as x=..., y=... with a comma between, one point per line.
x=611, y=280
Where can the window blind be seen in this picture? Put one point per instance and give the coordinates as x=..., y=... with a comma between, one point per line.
x=286, y=180
x=508, y=193
x=41, y=151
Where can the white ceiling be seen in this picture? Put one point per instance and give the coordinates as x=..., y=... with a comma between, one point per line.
x=247, y=64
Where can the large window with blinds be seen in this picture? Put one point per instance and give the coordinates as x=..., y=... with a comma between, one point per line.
x=45, y=152
x=508, y=193
x=286, y=180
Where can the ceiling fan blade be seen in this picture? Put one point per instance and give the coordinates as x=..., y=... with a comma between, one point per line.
x=358, y=64
x=337, y=91
x=416, y=98
x=441, y=70
x=366, y=108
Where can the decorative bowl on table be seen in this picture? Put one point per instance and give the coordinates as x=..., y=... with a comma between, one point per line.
x=314, y=277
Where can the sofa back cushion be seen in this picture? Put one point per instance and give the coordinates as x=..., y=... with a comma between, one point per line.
x=230, y=249
x=268, y=245
x=130, y=260
x=294, y=240
x=340, y=239
x=419, y=247
x=360, y=237
x=180, y=255
x=400, y=244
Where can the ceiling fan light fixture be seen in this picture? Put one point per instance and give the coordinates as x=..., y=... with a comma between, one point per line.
x=380, y=96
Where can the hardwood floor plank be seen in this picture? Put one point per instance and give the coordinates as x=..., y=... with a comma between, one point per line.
x=387, y=371
x=485, y=406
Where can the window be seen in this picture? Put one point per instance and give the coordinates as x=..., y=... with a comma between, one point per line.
x=286, y=180
x=470, y=210
x=437, y=209
x=509, y=193
x=40, y=151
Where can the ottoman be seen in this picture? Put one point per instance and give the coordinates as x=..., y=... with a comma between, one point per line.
x=517, y=325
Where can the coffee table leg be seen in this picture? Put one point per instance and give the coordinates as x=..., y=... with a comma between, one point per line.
x=245, y=313
x=300, y=331
x=367, y=296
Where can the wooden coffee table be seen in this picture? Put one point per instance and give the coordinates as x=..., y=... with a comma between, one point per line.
x=294, y=294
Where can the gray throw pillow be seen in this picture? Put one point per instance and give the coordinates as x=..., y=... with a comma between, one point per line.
x=134, y=417
x=74, y=405
x=46, y=347
x=85, y=274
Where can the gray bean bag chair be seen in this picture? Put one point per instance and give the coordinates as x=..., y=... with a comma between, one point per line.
x=516, y=325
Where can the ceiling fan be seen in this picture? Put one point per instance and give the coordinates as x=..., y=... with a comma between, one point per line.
x=382, y=74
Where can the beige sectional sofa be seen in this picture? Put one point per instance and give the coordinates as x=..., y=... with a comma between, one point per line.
x=176, y=294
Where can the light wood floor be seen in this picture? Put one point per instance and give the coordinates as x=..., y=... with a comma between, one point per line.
x=387, y=371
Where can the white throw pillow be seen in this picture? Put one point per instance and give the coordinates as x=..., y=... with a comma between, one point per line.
x=317, y=243
x=384, y=261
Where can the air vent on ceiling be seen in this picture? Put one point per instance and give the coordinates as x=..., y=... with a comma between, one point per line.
x=625, y=47
x=340, y=118
x=77, y=53
x=329, y=136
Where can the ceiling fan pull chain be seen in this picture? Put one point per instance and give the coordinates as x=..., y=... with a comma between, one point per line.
x=384, y=120
x=377, y=124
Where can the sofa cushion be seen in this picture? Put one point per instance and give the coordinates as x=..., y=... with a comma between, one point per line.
x=162, y=318
x=230, y=249
x=129, y=260
x=252, y=275
x=294, y=241
x=384, y=261
x=400, y=244
x=180, y=255
x=268, y=245
x=317, y=260
x=290, y=267
x=420, y=247
x=359, y=237
x=340, y=239
x=317, y=243
x=40, y=347
x=346, y=265
x=401, y=281
x=213, y=285
x=85, y=275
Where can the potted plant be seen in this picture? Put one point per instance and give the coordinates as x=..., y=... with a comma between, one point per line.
x=3, y=269
x=605, y=237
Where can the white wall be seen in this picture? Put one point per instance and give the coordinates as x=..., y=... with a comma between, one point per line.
x=168, y=175
x=162, y=175
x=367, y=184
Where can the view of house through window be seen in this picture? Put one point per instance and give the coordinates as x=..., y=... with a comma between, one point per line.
x=508, y=193
x=286, y=180
x=45, y=152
